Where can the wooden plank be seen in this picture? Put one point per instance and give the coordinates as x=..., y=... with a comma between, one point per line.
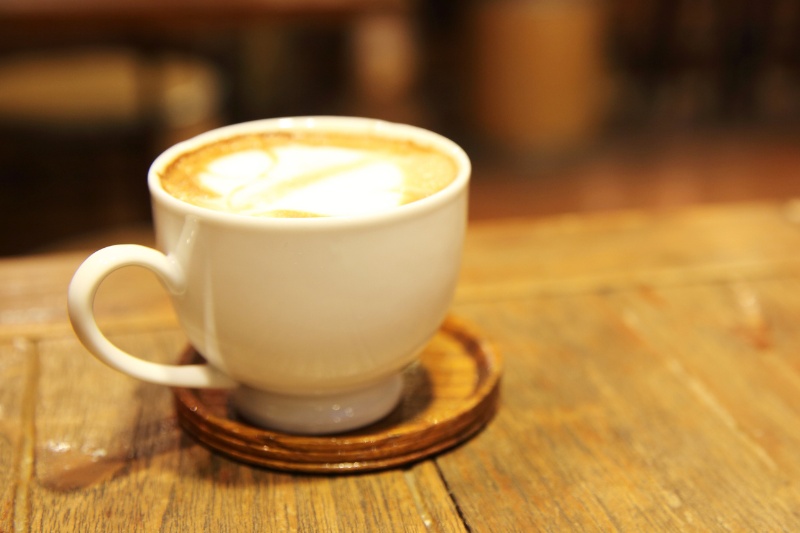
x=18, y=370
x=33, y=297
x=737, y=347
x=639, y=409
x=576, y=253
x=110, y=455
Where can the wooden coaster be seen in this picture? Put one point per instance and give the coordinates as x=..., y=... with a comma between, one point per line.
x=449, y=395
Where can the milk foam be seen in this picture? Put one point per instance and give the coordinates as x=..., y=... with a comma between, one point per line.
x=276, y=177
x=327, y=182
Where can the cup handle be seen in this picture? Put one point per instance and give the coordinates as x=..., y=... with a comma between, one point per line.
x=80, y=303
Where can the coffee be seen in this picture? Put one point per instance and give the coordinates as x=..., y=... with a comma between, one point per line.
x=295, y=174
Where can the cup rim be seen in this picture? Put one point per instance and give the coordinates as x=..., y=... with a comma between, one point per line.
x=340, y=124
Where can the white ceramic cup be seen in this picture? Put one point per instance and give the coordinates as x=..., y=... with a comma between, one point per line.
x=310, y=320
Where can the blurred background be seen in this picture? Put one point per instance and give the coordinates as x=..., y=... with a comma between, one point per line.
x=563, y=105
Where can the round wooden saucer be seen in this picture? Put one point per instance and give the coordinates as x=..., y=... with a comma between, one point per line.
x=449, y=395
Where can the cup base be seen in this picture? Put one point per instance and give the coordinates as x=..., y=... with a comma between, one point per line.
x=319, y=414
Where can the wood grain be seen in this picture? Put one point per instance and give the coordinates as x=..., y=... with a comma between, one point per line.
x=33, y=298
x=624, y=415
x=651, y=383
x=18, y=367
x=517, y=258
x=113, y=455
x=449, y=394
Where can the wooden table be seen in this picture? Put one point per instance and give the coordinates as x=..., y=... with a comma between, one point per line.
x=652, y=383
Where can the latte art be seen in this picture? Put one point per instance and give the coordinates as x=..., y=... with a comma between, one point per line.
x=307, y=174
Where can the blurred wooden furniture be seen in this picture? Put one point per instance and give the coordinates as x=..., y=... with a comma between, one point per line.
x=652, y=383
x=381, y=60
x=539, y=80
x=91, y=91
x=131, y=12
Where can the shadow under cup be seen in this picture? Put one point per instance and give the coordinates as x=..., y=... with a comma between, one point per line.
x=310, y=320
